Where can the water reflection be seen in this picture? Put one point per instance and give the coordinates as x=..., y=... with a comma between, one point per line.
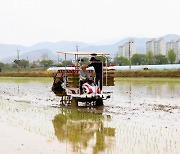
x=141, y=121
x=153, y=90
x=84, y=130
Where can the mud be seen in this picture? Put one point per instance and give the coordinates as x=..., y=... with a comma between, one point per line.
x=142, y=116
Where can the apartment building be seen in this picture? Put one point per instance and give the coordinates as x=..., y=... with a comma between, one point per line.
x=123, y=50
x=169, y=45
x=156, y=46
x=150, y=45
x=174, y=45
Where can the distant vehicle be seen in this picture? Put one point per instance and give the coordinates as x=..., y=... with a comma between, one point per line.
x=67, y=83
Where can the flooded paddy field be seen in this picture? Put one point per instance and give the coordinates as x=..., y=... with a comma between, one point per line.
x=142, y=116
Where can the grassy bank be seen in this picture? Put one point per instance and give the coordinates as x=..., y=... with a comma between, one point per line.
x=148, y=73
x=128, y=73
x=27, y=74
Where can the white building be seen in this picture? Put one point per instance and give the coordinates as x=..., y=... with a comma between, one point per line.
x=121, y=52
x=161, y=47
x=124, y=49
x=174, y=45
x=150, y=45
x=156, y=46
x=169, y=45
x=177, y=50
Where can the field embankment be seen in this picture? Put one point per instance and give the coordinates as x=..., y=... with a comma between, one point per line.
x=124, y=73
x=148, y=73
x=27, y=74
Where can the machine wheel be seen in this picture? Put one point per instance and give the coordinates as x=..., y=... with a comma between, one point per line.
x=99, y=102
x=74, y=102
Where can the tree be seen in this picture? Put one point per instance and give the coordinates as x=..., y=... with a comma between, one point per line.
x=121, y=61
x=23, y=63
x=171, y=56
x=33, y=65
x=138, y=59
x=149, y=58
x=160, y=59
x=46, y=63
x=103, y=59
x=67, y=62
x=84, y=60
x=2, y=65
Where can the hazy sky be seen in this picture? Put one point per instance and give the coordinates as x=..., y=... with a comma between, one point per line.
x=31, y=21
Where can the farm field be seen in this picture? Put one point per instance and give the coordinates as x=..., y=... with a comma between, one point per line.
x=142, y=116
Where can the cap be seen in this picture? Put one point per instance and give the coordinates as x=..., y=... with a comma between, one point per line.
x=92, y=59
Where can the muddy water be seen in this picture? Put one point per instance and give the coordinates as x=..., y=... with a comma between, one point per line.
x=142, y=116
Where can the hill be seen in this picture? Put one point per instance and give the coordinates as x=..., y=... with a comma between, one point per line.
x=35, y=52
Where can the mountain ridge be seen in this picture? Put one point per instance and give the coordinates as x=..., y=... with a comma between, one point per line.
x=9, y=51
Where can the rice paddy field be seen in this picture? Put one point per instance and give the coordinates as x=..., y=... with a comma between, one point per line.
x=142, y=116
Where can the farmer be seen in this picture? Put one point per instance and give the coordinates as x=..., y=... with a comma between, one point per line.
x=84, y=76
x=97, y=64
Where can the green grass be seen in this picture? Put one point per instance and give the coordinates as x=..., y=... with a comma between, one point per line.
x=26, y=74
x=127, y=73
x=148, y=73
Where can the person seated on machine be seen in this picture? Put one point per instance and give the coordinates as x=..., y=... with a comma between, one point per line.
x=84, y=76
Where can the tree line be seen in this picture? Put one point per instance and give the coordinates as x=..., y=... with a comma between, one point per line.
x=147, y=59
x=136, y=59
x=23, y=64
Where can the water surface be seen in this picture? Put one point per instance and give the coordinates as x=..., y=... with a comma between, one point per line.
x=141, y=117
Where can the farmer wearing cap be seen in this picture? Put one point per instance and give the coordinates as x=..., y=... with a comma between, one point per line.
x=97, y=64
x=84, y=76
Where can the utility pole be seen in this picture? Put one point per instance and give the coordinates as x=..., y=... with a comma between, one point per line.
x=76, y=56
x=130, y=41
x=18, y=59
x=58, y=58
x=77, y=47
